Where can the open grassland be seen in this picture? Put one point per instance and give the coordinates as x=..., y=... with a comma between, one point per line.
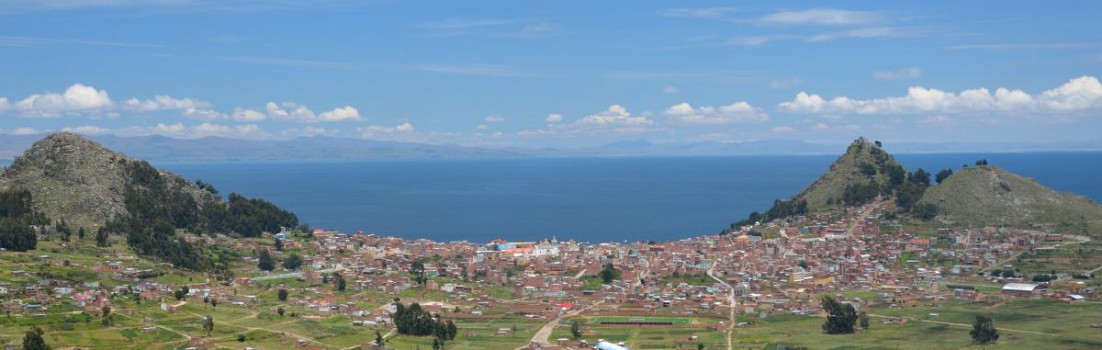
x=1026, y=324
x=478, y=334
x=645, y=337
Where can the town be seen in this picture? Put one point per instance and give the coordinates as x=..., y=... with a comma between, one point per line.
x=317, y=289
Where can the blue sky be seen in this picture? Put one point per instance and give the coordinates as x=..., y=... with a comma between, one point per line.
x=554, y=73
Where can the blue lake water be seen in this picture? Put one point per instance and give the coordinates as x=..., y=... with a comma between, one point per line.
x=588, y=199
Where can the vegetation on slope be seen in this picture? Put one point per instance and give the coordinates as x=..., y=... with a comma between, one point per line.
x=990, y=195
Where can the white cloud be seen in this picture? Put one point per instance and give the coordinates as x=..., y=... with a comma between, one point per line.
x=900, y=74
x=936, y=121
x=161, y=102
x=494, y=119
x=4, y=104
x=25, y=131
x=300, y=113
x=340, y=114
x=553, y=118
x=376, y=131
x=1079, y=94
x=738, y=112
x=615, y=115
x=88, y=130
x=709, y=12
x=670, y=89
x=482, y=127
x=248, y=115
x=77, y=98
x=179, y=130
x=537, y=28
x=825, y=16
x=204, y=114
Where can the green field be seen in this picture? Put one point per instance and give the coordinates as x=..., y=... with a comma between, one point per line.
x=649, y=337
x=675, y=320
x=1027, y=324
x=478, y=334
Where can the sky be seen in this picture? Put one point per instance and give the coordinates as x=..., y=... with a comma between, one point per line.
x=535, y=74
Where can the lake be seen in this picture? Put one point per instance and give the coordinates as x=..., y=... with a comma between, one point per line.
x=586, y=199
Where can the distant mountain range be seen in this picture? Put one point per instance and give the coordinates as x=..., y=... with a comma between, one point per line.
x=217, y=149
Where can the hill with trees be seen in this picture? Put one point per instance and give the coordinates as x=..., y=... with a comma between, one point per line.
x=990, y=195
x=85, y=187
x=973, y=196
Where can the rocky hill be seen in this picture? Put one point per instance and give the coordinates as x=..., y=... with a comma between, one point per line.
x=864, y=164
x=80, y=181
x=990, y=195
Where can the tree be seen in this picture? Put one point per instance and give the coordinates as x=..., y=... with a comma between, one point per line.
x=181, y=293
x=80, y=233
x=293, y=262
x=279, y=244
x=576, y=329
x=436, y=344
x=983, y=331
x=280, y=311
x=282, y=294
x=214, y=303
x=265, y=261
x=106, y=316
x=32, y=340
x=864, y=320
x=943, y=174
x=208, y=324
x=452, y=330
x=700, y=346
x=379, y=341
x=338, y=281
x=417, y=269
x=840, y=317
x=101, y=238
x=608, y=273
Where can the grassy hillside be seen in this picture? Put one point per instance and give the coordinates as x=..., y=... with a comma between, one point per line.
x=989, y=195
x=864, y=163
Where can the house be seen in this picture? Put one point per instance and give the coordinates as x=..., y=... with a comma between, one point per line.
x=1022, y=289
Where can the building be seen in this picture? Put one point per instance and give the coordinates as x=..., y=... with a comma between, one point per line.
x=604, y=345
x=1021, y=289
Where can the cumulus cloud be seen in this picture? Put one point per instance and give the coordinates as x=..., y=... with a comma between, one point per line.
x=300, y=113
x=248, y=115
x=494, y=119
x=373, y=131
x=161, y=102
x=615, y=115
x=1079, y=94
x=900, y=74
x=738, y=112
x=553, y=118
x=340, y=114
x=4, y=104
x=179, y=130
x=77, y=98
x=825, y=16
